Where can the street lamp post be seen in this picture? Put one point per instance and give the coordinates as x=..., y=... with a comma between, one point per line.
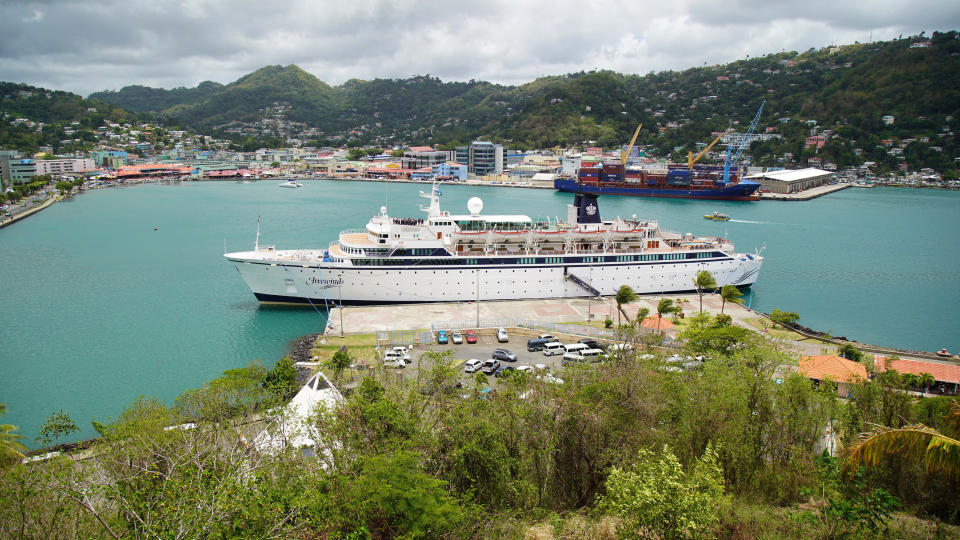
x=340, y=294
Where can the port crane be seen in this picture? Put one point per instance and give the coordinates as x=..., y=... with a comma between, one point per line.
x=691, y=159
x=741, y=146
x=626, y=151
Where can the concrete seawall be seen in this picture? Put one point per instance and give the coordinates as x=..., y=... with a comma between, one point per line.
x=28, y=213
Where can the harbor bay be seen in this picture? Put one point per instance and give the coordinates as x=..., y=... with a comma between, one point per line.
x=119, y=293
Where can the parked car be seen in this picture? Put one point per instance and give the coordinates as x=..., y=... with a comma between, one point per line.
x=552, y=348
x=535, y=344
x=394, y=356
x=394, y=362
x=593, y=344
x=502, y=336
x=490, y=366
x=548, y=337
x=472, y=365
x=503, y=370
x=471, y=336
x=402, y=351
x=574, y=347
x=456, y=338
x=442, y=337
x=587, y=355
x=525, y=369
x=503, y=355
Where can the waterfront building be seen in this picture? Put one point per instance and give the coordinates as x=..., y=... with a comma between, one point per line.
x=946, y=376
x=15, y=169
x=69, y=166
x=791, y=181
x=841, y=371
x=418, y=157
x=482, y=157
x=454, y=171
x=112, y=159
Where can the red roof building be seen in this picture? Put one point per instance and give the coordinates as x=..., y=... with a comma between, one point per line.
x=833, y=368
x=947, y=376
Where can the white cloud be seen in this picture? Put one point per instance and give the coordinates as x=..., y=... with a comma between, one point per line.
x=86, y=47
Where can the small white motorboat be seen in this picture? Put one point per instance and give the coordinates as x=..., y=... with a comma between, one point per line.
x=291, y=184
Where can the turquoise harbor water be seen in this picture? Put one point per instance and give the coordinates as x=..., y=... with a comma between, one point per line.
x=99, y=308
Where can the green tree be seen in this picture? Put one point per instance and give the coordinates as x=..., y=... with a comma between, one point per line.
x=703, y=282
x=340, y=361
x=642, y=315
x=281, y=380
x=939, y=451
x=926, y=380
x=730, y=293
x=664, y=307
x=354, y=154
x=57, y=425
x=10, y=448
x=656, y=497
x=625, y=295
x=274, y=164
x=784, y=318
x=850, y=352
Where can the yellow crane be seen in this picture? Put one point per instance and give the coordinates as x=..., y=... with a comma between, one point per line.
x=691, y=160
x=626, y=153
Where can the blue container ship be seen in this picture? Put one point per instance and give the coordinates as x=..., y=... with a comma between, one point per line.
x=677, y=181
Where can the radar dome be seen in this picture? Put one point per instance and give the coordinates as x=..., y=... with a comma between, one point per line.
x=475, y=205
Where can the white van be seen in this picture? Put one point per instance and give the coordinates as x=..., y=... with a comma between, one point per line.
x=575, y=347
x=552, y=348
x=589, y=355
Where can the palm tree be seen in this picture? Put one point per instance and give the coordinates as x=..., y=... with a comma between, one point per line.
x=926, y=380
x=702, y=282
x=730, y=293
x=910, y=380
x=663, y=307
x=625, y=295
x=642, y=314
x=939, y=451
x=9, y=447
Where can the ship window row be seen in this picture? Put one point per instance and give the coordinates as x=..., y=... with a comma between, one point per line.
x=455, y=261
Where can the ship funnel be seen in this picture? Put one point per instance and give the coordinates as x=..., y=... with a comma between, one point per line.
x=587, y=209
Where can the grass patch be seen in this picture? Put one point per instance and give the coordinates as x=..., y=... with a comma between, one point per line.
x=362, y=347
x=350, y=340
x=766, y=325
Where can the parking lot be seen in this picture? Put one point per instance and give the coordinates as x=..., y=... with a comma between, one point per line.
x=481, y=351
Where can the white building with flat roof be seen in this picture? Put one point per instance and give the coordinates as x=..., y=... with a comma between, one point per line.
x=58, y=167
x=791, y=181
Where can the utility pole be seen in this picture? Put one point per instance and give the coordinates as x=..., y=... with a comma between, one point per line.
x=478, y=298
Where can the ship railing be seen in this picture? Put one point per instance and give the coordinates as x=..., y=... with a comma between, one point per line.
x=354, y=231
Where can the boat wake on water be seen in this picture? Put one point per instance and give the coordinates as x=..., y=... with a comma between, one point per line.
x=747, y=221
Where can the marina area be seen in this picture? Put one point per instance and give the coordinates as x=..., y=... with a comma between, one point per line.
x=138, y=277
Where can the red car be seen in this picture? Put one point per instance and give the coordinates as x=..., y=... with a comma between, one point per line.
x=471, y=336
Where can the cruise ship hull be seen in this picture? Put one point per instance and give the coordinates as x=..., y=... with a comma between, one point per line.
x=743, y=191
x=327, y=285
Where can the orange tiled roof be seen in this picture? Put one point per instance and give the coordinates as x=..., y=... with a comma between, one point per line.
x=831, y=367
x=942, y=372
x=421, y=149
x=651, y=322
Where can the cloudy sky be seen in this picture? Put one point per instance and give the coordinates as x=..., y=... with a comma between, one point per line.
x=87, y=46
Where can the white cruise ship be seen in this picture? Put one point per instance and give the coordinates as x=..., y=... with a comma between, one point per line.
x=444, y=257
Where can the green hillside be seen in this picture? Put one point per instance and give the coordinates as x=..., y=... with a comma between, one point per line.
x=138, y=98
x=67, y=119
x=839, y=92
